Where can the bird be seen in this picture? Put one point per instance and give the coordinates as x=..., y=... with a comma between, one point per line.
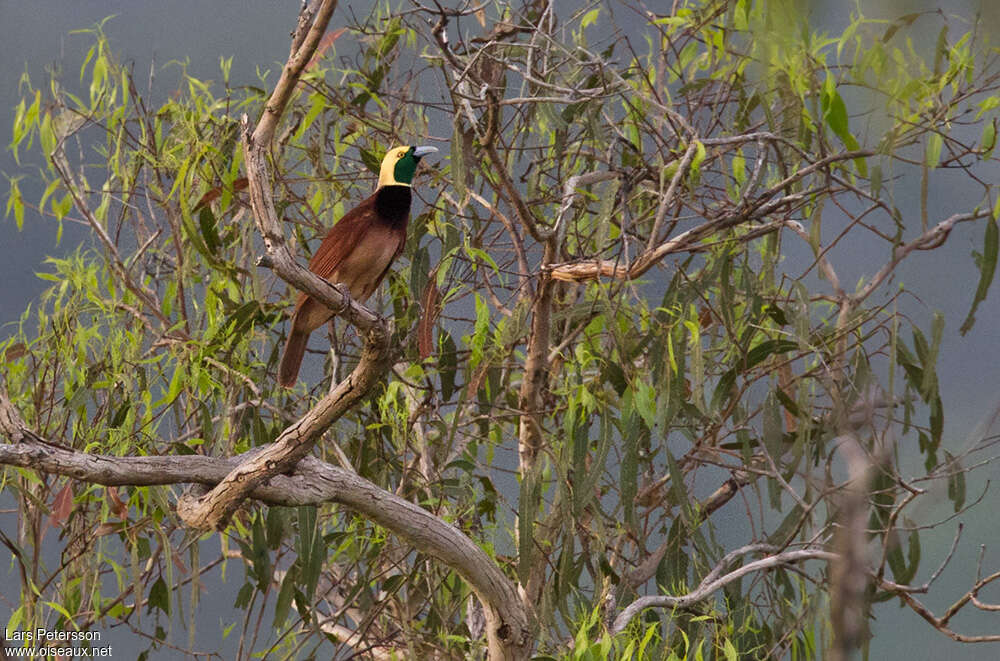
x=357, y=252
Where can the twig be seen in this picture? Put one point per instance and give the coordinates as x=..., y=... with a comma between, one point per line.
x=716, y=580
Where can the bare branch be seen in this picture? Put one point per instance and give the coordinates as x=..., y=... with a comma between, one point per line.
x=214, y=509
x=715, y=581
x=667, y=198
x=303, y=47
x=930, y=239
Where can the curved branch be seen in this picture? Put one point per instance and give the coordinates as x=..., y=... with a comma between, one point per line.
x=941, y=623
x=667, y=198
x=214, y=509
x=715, y=581
x=687, y=241
x=312, y=482
x=930, y=239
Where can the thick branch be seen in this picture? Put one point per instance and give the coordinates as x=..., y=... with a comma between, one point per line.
x=312, y=482
x=214, y=509
x=848, y=573
x=685, y=241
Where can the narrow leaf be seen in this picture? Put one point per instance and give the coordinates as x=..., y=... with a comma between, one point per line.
x=987, y=268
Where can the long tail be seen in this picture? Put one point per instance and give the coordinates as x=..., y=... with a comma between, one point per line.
x=291, y=357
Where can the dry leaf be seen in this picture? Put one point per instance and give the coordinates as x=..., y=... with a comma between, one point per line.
x=14, y=352
x=118, y=506
x=214, y=193
x=431, y=304
x=62, y=507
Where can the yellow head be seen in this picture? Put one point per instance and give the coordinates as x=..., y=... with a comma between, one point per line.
x=400, y=164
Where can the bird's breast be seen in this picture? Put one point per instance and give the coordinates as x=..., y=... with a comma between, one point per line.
x=362, y=269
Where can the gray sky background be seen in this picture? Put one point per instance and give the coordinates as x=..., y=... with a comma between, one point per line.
x=255, y=34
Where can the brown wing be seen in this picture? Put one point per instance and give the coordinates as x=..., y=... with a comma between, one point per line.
x=342, y=238
x=358, y=251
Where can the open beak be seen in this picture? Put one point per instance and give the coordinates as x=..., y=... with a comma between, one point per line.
x=419, y=152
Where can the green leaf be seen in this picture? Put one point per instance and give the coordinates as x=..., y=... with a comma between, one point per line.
x=176, y=383
x=699, y=157
x=936, y=419
x=903, y=571
x=835, y=114
x=876, y=180
x=284, y=602
x=912, y=554
x=932, y=156
x=590, y=17
x=723, y=390
x=783, y=535
x=956, y=481
x=773, y=431
x=15, y=203
x=644, y=400
x=259, y=555
x=243, y=596
x=206, y=222
x=629, y=476
x=673, y=568
x=894, y=556
x=739, y=165
x=987, y=268
x=678, y=491
x=448, y=364
x=988, y=141
x=276, y=517
x=158, y=597
x=615, y=375
x=310, y=548
x=371, y=161
x=834, y=109
x=767, y=348
x=241, y=318
x=459, y=162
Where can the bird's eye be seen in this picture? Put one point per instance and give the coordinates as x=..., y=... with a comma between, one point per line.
x=400, y=154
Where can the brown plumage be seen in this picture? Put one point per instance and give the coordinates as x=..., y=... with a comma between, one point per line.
x=357, y=252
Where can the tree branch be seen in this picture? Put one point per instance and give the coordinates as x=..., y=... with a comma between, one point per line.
x=932, y=238
x=715, y=580
x=302, y=51
x=311, y=482
x=214, y=509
